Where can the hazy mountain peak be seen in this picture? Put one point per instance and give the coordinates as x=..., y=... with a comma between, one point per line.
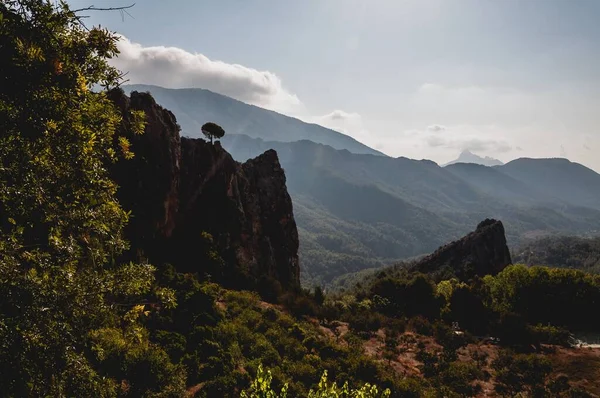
x=467, y=156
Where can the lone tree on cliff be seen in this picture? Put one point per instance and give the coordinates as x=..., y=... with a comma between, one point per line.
x=212, y=130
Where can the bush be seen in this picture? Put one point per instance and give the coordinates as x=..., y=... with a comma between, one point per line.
x=173, y=343
x=365, y=322
x=260, y=387
x=269, y=289
x=551, y=335
x=299, y=304
x=520, y=373
x=421, y=325
x=395, y=325
x=512, y=330
x=459, y=378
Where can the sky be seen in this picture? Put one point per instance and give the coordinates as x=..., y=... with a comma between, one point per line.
x=415, y=78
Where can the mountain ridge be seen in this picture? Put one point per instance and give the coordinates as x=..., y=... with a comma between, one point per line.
x=195, y=106
x=190, y=198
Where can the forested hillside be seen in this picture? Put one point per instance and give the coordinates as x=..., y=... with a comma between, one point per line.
x=562, y=252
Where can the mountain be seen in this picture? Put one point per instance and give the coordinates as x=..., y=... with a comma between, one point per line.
x=494, y=182
x=469, y=157
x=189, y=199
x=362, y=211
x=558, y=179
x=194, y=107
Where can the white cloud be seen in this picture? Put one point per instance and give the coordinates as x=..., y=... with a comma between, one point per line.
x=463, y=137
x=349, y=123
x=176, y=68
x=436, y=128
x=563, y=151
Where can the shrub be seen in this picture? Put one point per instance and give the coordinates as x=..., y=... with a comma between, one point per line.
x=551, y=335
x=421, y=325
x=365, y=322
x=260, y=387
x=299, y=304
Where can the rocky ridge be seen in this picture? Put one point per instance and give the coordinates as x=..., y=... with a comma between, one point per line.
x=189, y=199
x=482, y=252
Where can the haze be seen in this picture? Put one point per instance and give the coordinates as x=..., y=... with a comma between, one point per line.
x=421, y=79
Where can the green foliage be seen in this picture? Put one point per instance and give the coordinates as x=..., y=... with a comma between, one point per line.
x=549, y=334
x=319, y=295
x=60, y=224
x=561, y=251
x=520, y=373
x=530, y=375
x=364, y=321
x=421, y=325
x=409, y=297
x=261, y=388
x=299, y=304
x=561, y=297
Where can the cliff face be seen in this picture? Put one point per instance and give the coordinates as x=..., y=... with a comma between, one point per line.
x=179, y=189
x=482, y=252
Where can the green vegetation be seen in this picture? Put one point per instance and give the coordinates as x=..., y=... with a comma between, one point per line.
x=561, y=251
x=65, y=302
x=220, y=335
x=261, y=387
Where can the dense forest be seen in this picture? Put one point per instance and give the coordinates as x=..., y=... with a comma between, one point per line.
x=84, y=315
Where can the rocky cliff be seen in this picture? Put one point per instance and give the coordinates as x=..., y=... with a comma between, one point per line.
x=190, y=200
x=482, y=252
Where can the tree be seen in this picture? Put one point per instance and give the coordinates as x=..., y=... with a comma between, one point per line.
x=212, y=131
x=389, y=349
x=319, y=295
x=60, y=223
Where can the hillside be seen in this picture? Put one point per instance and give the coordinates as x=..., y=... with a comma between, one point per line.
x=362, y=211
x=493, y=182
x=194, y=106
x=561, y=251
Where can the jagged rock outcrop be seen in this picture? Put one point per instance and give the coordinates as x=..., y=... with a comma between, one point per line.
x=179, y=189
x=482, y=252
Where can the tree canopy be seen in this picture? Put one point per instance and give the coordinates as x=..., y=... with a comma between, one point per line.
x=212, y=131
x=62, y=289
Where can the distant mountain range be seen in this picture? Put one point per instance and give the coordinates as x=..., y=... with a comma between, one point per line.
x=469, y=157
x=357, y=209
x=194, y=106
x=360, y=211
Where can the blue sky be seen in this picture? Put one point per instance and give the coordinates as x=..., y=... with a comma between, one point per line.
x=422, y=78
